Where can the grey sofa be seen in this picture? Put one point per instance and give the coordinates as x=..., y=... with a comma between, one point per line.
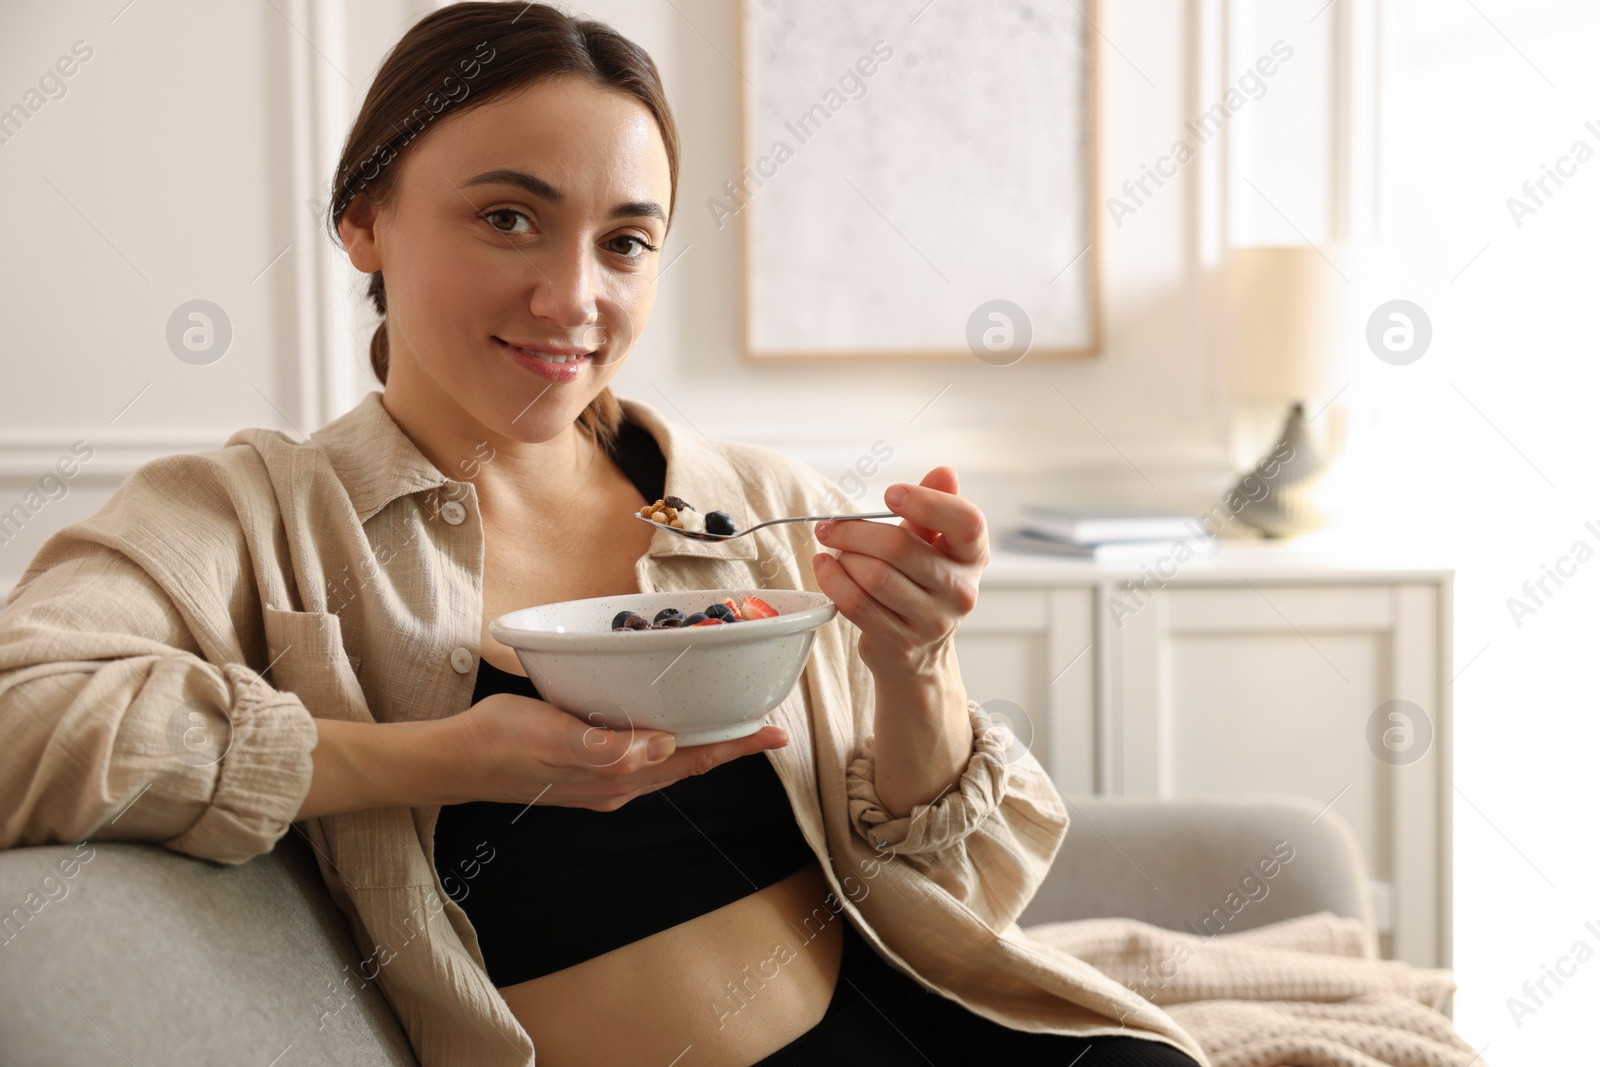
x=149, y=957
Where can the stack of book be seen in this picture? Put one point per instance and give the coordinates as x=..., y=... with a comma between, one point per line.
x=1107, y=535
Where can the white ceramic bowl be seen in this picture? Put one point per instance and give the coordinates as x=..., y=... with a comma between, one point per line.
x=700, y=683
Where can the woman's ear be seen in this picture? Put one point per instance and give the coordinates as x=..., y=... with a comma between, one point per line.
x=357, y=229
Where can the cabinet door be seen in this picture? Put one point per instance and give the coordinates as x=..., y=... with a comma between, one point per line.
x=1285, y=689
x=1025, y=654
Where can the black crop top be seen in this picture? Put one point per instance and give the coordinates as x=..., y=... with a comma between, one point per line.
x=547, y=887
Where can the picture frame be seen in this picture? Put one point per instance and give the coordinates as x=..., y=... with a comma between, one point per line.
x=834, y=198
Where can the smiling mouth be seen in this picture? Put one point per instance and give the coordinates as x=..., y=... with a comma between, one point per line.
x=547, y=357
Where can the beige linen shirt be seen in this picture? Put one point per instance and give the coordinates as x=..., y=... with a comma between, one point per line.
x=162, y=661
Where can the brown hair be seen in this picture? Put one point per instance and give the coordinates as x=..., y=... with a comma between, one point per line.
x=465, y=55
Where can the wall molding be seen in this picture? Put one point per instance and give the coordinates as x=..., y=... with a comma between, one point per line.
x=27, y=456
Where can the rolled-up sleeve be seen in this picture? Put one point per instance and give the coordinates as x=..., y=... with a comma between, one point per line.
x=949, y=818
x=989, y=841
x=128, y=709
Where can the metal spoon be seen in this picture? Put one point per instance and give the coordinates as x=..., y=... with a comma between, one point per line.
x=696, y=535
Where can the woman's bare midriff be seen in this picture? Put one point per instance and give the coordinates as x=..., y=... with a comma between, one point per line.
x=723, y=989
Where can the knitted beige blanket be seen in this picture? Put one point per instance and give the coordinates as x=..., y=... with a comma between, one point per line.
x=1305, y=992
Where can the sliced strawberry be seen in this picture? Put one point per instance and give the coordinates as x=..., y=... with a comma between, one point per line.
x=707, y=622
x=756, y=608
x=728, y=600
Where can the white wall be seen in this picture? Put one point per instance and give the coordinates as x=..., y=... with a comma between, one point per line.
x=166, y=172
x=145, y=185
x=184, y=152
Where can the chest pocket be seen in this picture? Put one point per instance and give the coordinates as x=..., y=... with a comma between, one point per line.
x=306, y=652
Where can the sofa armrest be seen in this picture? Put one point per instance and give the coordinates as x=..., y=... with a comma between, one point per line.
x=113, y=951
x=1196, y=864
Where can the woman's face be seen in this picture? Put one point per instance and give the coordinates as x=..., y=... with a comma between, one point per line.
x=533, y=221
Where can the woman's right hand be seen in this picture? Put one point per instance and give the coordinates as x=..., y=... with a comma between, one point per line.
x=518, y=750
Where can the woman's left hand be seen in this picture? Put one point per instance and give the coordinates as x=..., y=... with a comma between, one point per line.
x=907, y=586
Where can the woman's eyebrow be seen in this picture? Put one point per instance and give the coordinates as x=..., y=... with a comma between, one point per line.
x=545, y=191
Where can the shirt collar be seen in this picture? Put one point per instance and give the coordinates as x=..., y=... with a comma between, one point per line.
x=377, y=464
x=374, y=459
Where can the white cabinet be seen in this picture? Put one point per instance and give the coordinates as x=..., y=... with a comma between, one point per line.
x=1262, y=669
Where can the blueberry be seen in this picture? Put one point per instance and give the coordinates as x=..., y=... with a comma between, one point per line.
x=723, y=612
x=669, y=613
x=620, y=620
x=698, y=616
x=719, y=522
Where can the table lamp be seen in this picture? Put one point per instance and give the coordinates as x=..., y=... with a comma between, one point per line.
x=1285, y=347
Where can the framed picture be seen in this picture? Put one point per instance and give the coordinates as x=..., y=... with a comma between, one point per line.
x=916, y=184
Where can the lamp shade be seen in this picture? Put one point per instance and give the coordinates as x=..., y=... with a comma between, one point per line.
x=1283, y=324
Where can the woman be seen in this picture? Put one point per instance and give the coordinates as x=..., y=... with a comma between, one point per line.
x=508, y=186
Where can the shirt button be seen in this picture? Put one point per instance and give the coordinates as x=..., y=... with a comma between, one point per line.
x=461, y=659
x=453, y=512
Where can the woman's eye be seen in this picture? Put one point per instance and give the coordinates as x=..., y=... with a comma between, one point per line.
x=504, y=213
x=509, y=221
x=638, y=246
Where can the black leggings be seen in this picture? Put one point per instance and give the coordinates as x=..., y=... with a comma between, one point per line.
x=881, y=1017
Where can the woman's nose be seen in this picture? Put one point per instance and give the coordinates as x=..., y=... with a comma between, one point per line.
x=565, y=288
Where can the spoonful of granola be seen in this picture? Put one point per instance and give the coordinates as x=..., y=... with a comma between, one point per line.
x=673, y=514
